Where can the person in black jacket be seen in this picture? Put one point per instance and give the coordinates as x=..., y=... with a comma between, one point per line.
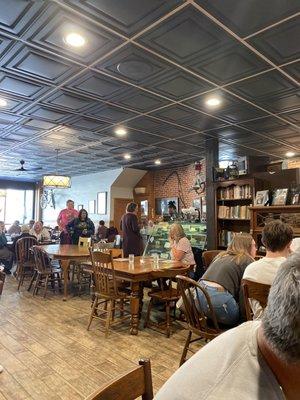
x=82, y=226
x=132, y=239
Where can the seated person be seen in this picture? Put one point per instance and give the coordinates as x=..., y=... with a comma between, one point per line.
x=14, y=229
x=24, y=233
x=82, y=226
x=276, y=237
x=181, y=249
x=31, y=223
x=42, y=234
x=222, y=279
x=255, y=361
x=6, y=256
x=112, y=232
x=102, y=231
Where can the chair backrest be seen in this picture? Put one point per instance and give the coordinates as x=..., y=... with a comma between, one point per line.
x=102, y=246
x=41, y=258
x=104, y=273
x=256, y=291
x=84, y=242
x=23, y=249
x=130, y=386
x=2, y=280
x=196, y=318
x=208, y=257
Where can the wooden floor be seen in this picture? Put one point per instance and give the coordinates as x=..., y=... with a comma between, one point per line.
x=47, y=353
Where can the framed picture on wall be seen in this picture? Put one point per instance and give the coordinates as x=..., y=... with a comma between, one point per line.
x=80, y=207
x=280, y=197
x=161, y=205
x=101, y=203
x=92, y=207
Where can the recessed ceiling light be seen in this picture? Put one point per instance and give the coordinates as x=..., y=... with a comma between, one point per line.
x=213, y=102
x=3, y=103
x=127, y=156
x=120, y=131
x=74, y=39
x=157, y=162
x=289, y=154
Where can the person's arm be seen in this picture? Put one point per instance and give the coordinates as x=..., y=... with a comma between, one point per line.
x=59, y=219
x=134, y=224
x=70, y=227
x=91, y=228
x=177, y=254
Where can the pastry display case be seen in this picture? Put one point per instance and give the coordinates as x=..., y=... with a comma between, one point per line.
x=158, y=242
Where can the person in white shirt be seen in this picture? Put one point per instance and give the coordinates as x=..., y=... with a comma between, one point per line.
x=277, y=238
x=259, y=360
x=42, y=234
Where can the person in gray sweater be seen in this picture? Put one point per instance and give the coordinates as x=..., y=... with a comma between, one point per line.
x=222, y=280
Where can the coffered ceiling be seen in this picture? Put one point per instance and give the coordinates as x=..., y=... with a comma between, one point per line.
x=148, y=66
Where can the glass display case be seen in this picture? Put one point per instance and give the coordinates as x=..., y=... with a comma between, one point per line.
x=158, y=242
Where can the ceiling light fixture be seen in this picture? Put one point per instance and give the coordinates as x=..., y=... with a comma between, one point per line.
x=56, y=181
x=127, y=156
x=290, y=154
x=213, y=102
x=157, y=162
x=74, y=39
x=3, y=103
x=120, y=131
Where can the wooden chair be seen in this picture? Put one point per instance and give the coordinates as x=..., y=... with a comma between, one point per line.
x=84, y=242
x=2, y=280
x=109, y=297
x=167, y=295
x=197, y=322
x=130, y=386
x=256, y=291
x=25, y=258
x=45, y=272
x=208, y=257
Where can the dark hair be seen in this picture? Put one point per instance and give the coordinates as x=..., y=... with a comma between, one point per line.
x=69, y=201
x=80, y=213
x=281, y=319
x=102, y=222
x=131, y=207
x=172, y=204
x=276, y=235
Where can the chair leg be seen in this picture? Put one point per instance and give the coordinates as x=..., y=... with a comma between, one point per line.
x=46, y=285
x=185, y=349
x=147, y=319
x=20, y=276
x=121, y=308
x=93, y=312
x=37, y=281
x=31, y=281
x=108, y=318
x=168, y=329
x=113, y=310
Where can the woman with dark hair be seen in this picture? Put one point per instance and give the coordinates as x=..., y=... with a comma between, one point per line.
x=82, y=226
x=132, y=239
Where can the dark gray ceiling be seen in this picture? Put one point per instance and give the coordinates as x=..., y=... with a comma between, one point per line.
x=149, y=66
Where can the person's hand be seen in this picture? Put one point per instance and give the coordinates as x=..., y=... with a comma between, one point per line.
x=84, y=231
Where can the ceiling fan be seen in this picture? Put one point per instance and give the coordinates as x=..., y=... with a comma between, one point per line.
x=23, y=169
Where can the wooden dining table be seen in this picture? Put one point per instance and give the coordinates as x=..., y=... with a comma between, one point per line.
x=143, y=270
x=66, y=253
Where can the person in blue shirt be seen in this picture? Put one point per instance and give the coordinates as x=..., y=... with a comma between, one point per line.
x=6, y=256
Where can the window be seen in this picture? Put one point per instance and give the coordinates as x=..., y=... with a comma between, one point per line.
x=16, y=205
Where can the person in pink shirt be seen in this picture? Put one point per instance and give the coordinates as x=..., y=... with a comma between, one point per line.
x=65, y=216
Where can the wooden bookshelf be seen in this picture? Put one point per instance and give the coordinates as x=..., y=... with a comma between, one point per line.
x=235, y=196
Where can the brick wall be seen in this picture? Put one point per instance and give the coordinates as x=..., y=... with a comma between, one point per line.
x=156, y=188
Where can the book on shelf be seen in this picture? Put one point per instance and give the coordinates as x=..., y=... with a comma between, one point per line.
x=225, y=237
x=235, y=192
x=234, y=212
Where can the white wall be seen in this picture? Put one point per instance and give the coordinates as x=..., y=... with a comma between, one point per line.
x=84, y=188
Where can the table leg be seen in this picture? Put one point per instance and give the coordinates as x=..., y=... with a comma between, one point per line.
x=134, y=306
x=65, y=264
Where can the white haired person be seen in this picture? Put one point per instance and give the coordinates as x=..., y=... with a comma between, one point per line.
x=259, y=360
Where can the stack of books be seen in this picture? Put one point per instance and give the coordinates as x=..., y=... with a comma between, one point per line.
x=225, y=237
x=235, y=192
x=234, y=212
